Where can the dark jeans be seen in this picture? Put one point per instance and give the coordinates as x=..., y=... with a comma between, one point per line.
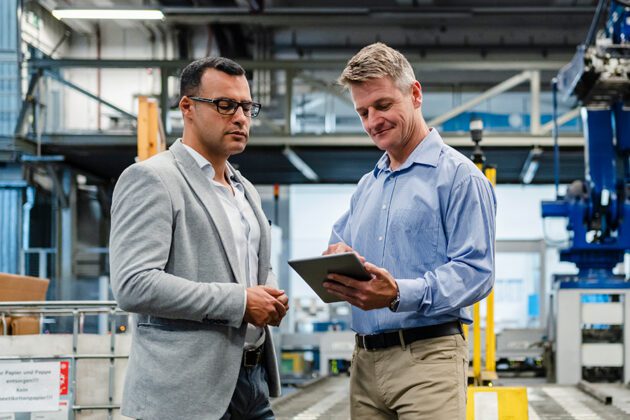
x=250, y=400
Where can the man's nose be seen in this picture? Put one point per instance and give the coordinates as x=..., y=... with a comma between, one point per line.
x=239, y=116
x=372, y=121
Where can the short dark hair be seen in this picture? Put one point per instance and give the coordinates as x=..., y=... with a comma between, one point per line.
x=190, y=79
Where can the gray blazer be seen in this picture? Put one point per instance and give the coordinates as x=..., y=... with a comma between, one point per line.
x=173, y=264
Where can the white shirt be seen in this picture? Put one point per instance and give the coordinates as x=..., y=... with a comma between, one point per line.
x=245, y=230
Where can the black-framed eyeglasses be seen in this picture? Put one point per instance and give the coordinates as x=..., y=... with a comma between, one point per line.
x=227, y=106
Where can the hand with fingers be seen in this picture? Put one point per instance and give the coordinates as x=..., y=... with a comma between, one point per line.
x=281, y=296
x=376, y=293
x=265, y=306
x=340, y=248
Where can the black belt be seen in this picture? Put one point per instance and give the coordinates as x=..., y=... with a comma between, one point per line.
x=407, y=336
x=252, y=357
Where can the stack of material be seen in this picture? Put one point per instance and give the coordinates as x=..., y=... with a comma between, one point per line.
x=14, y=288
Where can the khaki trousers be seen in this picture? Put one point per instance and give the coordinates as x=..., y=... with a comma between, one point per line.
x=426, y=380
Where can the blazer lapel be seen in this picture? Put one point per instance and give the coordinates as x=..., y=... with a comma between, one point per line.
x=264, y=250
x=199, y=184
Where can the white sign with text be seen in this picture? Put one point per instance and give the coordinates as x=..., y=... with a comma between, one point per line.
x=31, y=386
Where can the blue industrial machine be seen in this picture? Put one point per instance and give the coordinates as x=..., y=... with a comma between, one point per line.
x=592, y=336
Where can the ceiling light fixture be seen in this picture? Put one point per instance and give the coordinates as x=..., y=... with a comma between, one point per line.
x=530, y=167
x=300, y=165
x=100, y=14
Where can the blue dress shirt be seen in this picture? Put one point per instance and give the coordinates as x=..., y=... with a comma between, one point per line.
x=431, y=224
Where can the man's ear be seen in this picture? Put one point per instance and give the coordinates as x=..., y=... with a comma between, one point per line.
x=186, y=105
x=416, y=94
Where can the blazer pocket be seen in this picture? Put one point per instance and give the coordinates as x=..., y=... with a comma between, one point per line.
x=182, y=325
x=160, y=327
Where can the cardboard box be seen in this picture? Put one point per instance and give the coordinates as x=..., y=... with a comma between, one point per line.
x=15, y=288
x=24, y=325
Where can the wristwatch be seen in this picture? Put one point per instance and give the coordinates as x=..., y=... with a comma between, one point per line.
x=393, y=305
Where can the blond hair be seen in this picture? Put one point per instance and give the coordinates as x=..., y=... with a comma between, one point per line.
x=376, y=61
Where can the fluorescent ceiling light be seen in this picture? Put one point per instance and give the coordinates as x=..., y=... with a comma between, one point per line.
x=99, y=14
x=530, y=167
x=300, y=165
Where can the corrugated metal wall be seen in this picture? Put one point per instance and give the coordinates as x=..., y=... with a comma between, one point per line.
x=9, y=66
x=10, y=228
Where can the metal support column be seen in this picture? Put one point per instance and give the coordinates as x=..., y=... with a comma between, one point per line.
x=288, y=102
x=534, y=88
x=164, y=99
x=543, y=297
x=66, y=232
x=330, y=116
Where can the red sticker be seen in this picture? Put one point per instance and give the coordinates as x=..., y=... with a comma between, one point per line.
x=63, y=383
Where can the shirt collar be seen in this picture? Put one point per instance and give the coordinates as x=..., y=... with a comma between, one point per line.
x=427, y=152
x=203, y=163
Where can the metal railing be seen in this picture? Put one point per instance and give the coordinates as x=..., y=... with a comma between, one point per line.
x=78, y=310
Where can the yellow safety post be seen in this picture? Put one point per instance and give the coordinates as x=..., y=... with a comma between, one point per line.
x=478, y=160
x=490, y=335
x=490, y=371
x=490, y=402
x=477, y=342
x=501, y=403
x=491, y=174
x=488, y=375
x=151, y=138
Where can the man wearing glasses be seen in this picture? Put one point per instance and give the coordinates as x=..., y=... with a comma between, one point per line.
x=190, y=249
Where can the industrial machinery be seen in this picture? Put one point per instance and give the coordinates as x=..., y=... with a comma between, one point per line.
x=593, y=307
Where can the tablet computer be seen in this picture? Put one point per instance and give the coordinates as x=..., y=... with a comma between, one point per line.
x=314, y=271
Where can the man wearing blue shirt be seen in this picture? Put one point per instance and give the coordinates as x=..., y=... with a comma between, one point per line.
x=423, y=220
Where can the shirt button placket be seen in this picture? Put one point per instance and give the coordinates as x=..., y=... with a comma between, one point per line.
x=383, y=224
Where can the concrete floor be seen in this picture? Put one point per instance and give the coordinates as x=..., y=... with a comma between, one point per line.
x=328, y=399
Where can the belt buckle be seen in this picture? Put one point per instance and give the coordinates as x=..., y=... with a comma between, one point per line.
x=364, y=343
x=401, y=337
x=365, y=346
x=251, y=357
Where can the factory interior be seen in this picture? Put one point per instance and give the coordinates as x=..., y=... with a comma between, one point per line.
x=533, y=92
